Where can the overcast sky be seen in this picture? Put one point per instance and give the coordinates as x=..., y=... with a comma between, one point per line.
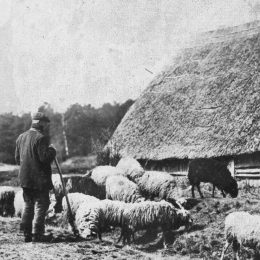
x=96, y=51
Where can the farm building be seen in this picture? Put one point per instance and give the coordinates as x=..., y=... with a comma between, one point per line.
x=205, y=104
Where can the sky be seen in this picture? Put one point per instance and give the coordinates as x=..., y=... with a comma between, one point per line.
x=95, y=51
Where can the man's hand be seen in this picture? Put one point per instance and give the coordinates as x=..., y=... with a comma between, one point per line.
x=52, y=146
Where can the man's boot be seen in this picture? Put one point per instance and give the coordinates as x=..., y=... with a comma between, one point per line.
x=27, y=237
x=42, y=238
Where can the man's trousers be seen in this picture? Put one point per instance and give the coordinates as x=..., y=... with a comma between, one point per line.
x=36, y=204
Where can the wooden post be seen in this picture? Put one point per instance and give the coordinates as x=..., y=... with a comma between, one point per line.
x=231, y=167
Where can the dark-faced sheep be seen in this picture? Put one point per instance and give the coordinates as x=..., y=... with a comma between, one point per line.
x=215, y=172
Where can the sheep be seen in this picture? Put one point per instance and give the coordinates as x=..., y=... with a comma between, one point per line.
x=242, y=228
x=159, y=185
x=121, y=188
x=82, y=184
x=18, y=203
x=7, y=201
x=131, y=168
x=73, y=183
x=75, y=200
x=151, y=215
x=94, y=217
x=100, y=174
x=215, y=172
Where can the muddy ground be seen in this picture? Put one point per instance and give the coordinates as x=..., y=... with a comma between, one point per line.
x=205, y=240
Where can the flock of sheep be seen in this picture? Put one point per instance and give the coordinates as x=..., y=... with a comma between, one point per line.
x=128, y=197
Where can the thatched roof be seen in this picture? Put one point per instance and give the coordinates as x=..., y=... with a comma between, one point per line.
x=205, y=104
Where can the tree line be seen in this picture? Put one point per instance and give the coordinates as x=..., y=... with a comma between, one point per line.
x=80, y=131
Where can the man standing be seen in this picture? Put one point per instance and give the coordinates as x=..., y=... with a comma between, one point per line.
x=34, y=155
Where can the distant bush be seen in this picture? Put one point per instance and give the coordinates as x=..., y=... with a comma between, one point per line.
x=105, y=158
x=11, y=127
x=79, y=164
x=9, y=178
x=81, y=130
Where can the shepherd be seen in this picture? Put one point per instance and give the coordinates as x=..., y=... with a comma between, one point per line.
x=34, y=155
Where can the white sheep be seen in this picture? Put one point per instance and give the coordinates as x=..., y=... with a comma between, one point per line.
x=95, y=217
x=58, y=189
x=241, y=228
x=153, y=215
x=131, y=168
x=18, y=203
x=7, y=194
x=158, y=184
x=75, y=200
x=73, y=183
x=99, y=176
x=121, y=188
x=89, y=219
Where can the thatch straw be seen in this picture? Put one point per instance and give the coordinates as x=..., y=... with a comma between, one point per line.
x=206, y=104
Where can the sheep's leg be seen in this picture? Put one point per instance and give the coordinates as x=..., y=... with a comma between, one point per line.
x=224, y=250
x=198, y=187
x=133, y=236
x=119, y=239
x=164, y=240
x=121, y=235
x=99, y=237
x=213, y=191
x=129, y=237
x=192, y=191
x=223, y=194
x=165, y=244
x=236, y=249
x=126, y=237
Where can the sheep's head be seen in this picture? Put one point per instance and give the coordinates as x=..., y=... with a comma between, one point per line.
x=231, y=187
x=184, y=218
x=176, y=203
x=86, y=231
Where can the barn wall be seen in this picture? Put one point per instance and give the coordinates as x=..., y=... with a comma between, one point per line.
x=248, y=160
x=237, y=164
x=167, y=165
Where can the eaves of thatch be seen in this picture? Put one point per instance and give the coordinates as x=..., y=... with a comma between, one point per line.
x=205, y=104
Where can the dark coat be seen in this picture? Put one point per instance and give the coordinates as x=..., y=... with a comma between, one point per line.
x=34, y=156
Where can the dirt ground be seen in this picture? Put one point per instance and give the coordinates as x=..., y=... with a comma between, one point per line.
x=65, y=246
x=204, y=240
